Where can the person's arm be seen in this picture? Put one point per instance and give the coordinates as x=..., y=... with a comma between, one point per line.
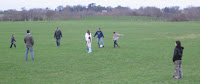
x=32, y=41
x=60, y=33
x=175, y=54
x=91, y=36
x=85, y=36
x=120, y=34
x=14, y=39
x=95, y=34
x=25, y=39
x=102, y=34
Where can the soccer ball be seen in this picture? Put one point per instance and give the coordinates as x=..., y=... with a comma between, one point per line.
x=101, y=46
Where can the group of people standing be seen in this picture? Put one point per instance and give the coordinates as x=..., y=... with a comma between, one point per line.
x=29, y=41
x=177, y=57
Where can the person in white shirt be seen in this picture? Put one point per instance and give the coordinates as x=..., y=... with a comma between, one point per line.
x=87, y=35
x=89, y=44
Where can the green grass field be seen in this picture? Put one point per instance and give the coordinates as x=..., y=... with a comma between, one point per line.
x=145, y=56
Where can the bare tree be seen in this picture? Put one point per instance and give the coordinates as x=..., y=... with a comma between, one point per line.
x=78, y=11
x=12, y=15
x=192, y=13
x=37, y=14
x=24, y=14
x=50, y=14
x=60, y=8
x=179, y=17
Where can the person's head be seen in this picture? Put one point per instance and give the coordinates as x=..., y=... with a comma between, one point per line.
x=99, y=29
x=178, y=43
x=28, y=31
x=114, y=33
x=88, y=31
x=89, y=38
x=13, y=35
x=58, y=28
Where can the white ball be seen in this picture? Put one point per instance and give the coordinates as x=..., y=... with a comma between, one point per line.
x=101, y=46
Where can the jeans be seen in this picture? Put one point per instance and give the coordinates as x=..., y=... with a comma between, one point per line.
x=90, y=49
x=26, y=53
x=115, y=43
x=12, y=44
x=178, y=69
x=58, y=42
x=101, y=41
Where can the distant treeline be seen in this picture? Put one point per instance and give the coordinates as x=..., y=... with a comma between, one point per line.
x=77, y=12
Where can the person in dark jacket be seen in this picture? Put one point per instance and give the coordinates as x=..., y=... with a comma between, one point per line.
x=100, y=36
x=12, y=41
x=28, y=40
x=178, y=53
x=58, y=35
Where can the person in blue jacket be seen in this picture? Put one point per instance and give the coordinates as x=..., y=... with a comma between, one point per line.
x=100, y=36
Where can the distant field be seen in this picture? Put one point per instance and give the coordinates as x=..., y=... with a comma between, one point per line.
x=145, y=56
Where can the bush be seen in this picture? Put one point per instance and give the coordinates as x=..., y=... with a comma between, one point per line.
x=178, y=17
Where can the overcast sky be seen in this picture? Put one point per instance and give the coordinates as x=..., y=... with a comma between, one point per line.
x=52, y=4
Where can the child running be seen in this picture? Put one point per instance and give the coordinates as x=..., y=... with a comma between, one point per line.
x=115, y=38
x=12, y=41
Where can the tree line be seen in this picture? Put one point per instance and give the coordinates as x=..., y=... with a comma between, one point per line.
x=78, y=11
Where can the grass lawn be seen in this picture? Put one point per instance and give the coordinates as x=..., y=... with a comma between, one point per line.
x=145, y=56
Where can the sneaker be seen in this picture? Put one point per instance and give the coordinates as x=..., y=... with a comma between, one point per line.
x=118, y=46
x=175, y=77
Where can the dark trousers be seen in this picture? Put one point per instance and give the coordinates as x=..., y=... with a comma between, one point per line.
x=58, y=42
x=12, y=44
x=115, y=43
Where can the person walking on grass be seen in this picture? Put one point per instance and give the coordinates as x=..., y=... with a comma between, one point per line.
x=87, y=35
x=178, y=53
x=28, y=40
x=12, y=41
x=58, y=35
x=115, y=38
x=89, y=44
x=100, y=37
